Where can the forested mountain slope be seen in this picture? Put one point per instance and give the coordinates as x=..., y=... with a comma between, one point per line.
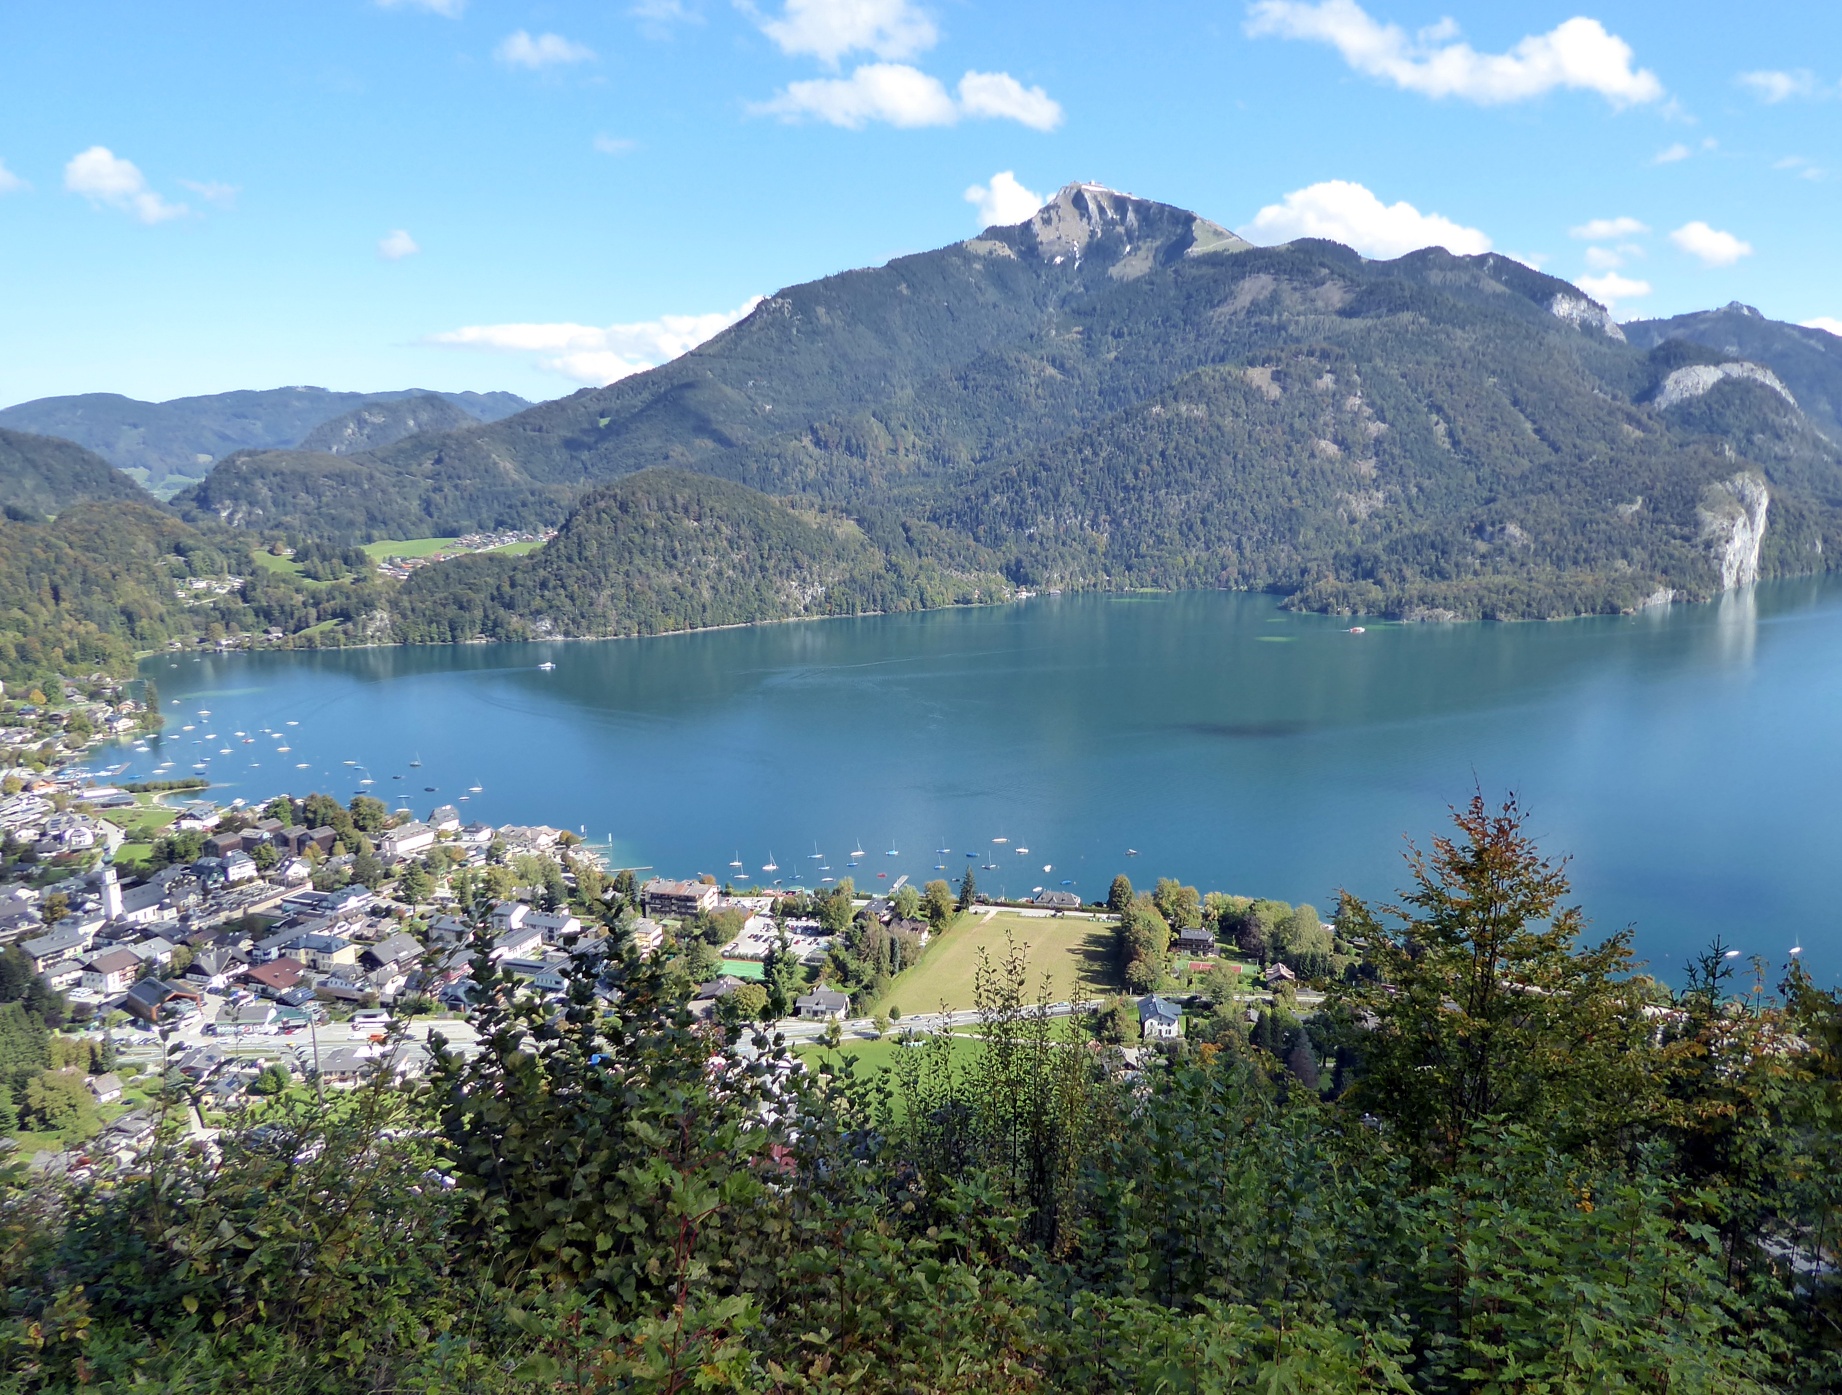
x=43, y=475
x=182, y=437
x=1119, y=392
x=377, y=424
x=668, y=549
x=1808, y=360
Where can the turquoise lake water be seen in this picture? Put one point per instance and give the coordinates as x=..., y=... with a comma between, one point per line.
x=1689, y=758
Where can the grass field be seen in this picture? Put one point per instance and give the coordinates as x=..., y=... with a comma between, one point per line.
x=874, y=1057
x=286, y=566
x=407, y=547
x=1076, y=954
x=144, y=816
x=517, y=549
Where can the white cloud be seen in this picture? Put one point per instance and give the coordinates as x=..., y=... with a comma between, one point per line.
x=905, y=96
x=1001, y=96
x=892, y=92
x=447, y=9
x=1611, y=288
x=1604, y=259
x=1577, y=54
x=223, y=195
x=1710, y=246
x=1345, y=212
x=599, y=355
x=1804, y=168
x=614, y=145
x=829, y=29
x=1604, y=229
x=520, y=49
x=1772, y=86
x=104, y=178
x=1824, y=322
x=396, y=246
x=1670, y=154
x=1004, y=201
x=11, y=183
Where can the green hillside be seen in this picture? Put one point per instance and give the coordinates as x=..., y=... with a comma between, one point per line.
x=670, y=550
x=44, y=475
x=107, y=579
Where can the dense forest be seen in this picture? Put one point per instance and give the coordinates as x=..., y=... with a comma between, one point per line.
x=669, y=550
x=41, y=475
x=1500, y=1159
x=88, y=590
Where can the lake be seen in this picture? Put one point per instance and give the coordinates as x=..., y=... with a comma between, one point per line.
x=1690, y=758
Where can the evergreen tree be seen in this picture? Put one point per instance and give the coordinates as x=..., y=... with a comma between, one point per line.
x=783, y=977
x=968, y=891
x=1487, y=1005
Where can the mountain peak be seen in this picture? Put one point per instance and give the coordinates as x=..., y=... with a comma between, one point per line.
x=1086, y=217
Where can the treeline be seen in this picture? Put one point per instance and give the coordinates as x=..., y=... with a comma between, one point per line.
x=1271, y=932
x=1535, y=1169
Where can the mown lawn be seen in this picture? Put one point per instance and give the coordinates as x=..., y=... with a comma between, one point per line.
x=1076, y=954
x=407, y=547
x=874, y=1057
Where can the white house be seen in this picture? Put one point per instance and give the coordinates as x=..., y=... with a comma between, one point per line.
x=1159, y=1019
x=112, y=971
x=405, y=840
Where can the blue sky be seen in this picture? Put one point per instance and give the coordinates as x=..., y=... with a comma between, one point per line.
x=504, y=194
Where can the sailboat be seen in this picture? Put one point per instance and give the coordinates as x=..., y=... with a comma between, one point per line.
x=1022, y=852
x=475, y=789
x=770, y=865
x=858, y=850
x=1000, y=840
x=416, y=764
x=817, y=856
x=735, y=862
x=892, y=853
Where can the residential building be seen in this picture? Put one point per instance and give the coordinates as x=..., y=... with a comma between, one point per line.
x=1159, y=1019
x=554, y=926
x=1057, y=900
x=397, y=951
x=112, y=971
x=1195, y=941
x=826, y=1003
x=663, y=897
x=65, y=942
x=106, y=1088
x=405, y=840
x=155, y=1000
x=276, y=977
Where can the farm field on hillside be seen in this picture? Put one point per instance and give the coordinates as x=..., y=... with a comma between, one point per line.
x=1076, y=953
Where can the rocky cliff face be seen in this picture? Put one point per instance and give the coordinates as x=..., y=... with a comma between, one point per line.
x=1585, y=314
x=1697, y=378
x=1136, y=232
x=1732, y=515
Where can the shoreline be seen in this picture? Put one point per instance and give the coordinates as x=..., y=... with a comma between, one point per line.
x=1360, y=618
